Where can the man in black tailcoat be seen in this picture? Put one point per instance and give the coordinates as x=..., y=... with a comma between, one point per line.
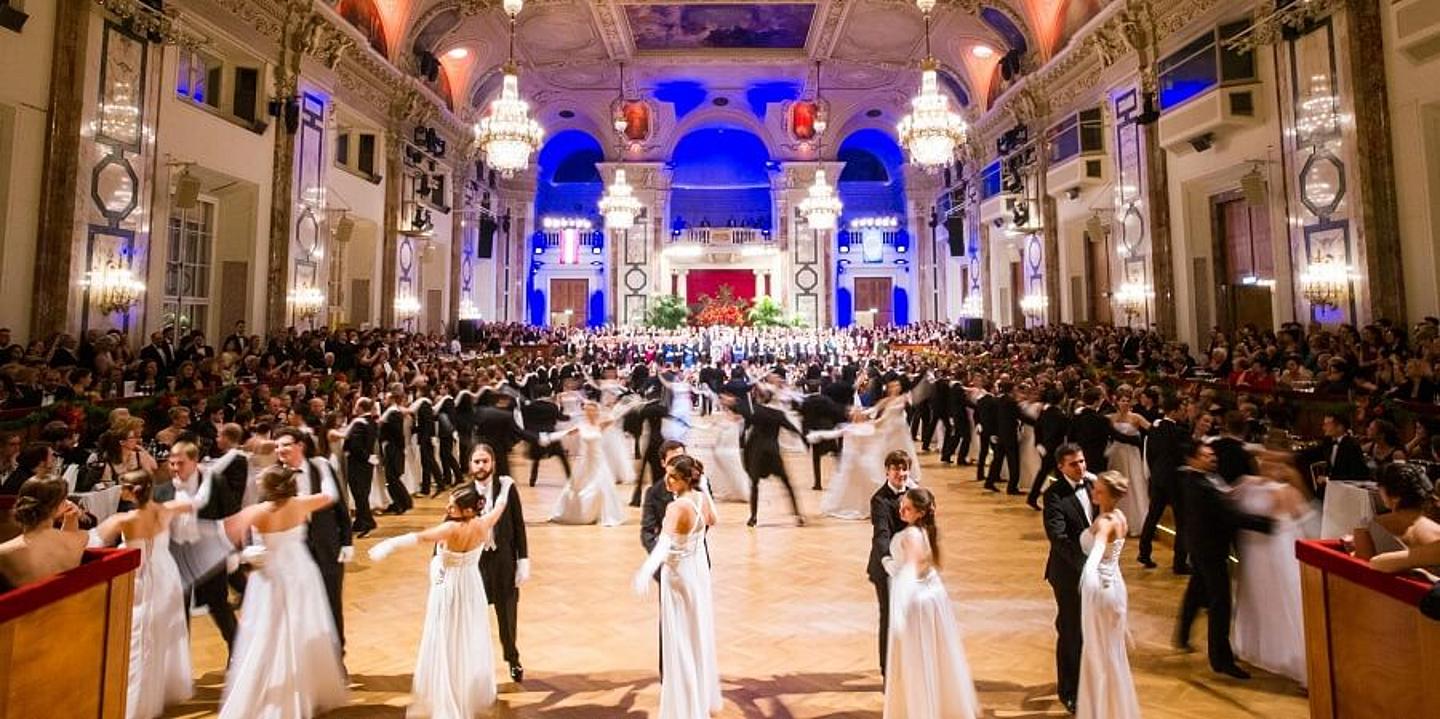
x=328, y=534
x=761, y=450
x=1050, y=429
x=1164, y=454
x=359, y=447
x=885, y=523
x=1091, y=429
x=506, y=566
x=820, y=413
x=496, y=426
x=542, y=416
x=1067, y=514
x=1005, y=433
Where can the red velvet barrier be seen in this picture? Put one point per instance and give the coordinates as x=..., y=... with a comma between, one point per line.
x=1328, y=556
x=98, y=567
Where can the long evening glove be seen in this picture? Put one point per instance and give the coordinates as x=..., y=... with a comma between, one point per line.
x=641, y=581
x=388, y=547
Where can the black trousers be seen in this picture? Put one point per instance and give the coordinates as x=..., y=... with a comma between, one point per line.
x=818, y=450
x=1047, y=467
x=449, y=465
x=985, y=448
x=507, y=608
x=502, y=459
x=882, y=594
x=467, y=446
x=1010, y=453
x=657, y=473
x=919, y=417
x=1070, y=639
x=394, y=458
x=359, y=475
x=429, y=467
x=927, y=428
x=949, y=440
x=1209, y=587
x=1162, y=494
x=755, y=492
x=214, y=593
x=333, y=574
x=540, y=453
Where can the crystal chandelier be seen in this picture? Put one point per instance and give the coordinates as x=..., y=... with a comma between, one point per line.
x=931, y=132
x=307, y=301
x=114, y=289
x=620, y=206
x=821, y=208
x=407, y=305
x=468, y=310
x=1034, y=304
x=508, y=135
x=1132, y=298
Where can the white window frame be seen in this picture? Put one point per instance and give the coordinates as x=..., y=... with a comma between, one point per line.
x=175, y=301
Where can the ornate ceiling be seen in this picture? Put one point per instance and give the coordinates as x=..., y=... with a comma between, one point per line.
x=727, y=62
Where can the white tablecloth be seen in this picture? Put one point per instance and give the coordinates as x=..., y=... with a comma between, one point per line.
x=101, y=503
x=1347, y=506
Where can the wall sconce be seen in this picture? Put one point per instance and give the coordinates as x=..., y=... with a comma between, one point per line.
x=307, y=301
x=1034, y=305
x=1325, y=282
x=114, y=289
x=407, y=305
x=972, y=307
x=1132, y=298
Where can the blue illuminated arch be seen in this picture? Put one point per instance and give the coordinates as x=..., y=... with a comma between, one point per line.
x=569, y=181
x=720, y=174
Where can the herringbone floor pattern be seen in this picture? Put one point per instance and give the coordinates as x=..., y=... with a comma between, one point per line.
x=795, y=618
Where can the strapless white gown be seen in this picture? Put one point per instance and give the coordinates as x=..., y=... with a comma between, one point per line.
x=1129, y=461
x=691, y=689
x=159, y=642
x=859, y=474
x=286, y=663
x=1106, y=690
x=455, y=670
x=1269, y=628
x=589, y=496
x=929, y=676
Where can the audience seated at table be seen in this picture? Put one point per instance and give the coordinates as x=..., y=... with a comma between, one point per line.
x=42, y=550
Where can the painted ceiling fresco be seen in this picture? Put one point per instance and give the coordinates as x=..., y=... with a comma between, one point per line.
x=723, y=26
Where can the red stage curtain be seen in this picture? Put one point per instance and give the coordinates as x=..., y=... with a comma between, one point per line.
x=708, y=282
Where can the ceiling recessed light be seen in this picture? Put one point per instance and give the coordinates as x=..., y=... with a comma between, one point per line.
x=721, y=101
x=457, y=53
x=567, y=114
x=875, y=112
x=984, y=52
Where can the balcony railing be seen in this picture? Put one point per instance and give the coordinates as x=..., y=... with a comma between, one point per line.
x=722, y=236
x=550, y=239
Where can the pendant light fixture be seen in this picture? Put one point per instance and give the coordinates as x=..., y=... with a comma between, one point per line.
x=508, y=135
x=931, y=132
x=821, y=208
x=620, y=206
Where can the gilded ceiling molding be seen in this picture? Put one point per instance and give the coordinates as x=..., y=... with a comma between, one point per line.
x=1269, y=29
x=607, y=20
x=830, y=27
x=145, y=20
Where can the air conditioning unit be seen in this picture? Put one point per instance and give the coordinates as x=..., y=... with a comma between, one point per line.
x=1195, y=124
x=1081, y=171
x=997, y=207
x=1417, y=29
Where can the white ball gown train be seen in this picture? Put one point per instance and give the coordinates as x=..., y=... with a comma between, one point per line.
x=859, y=474
x=1269, y=628
x=455, y=670
x=589, y=497
x=726, y=469
x=1106, y=690
x=159, y=641
x=286, y=663
x=928, y=675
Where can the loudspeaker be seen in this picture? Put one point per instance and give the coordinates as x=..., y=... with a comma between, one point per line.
x=344, y=229
x=469, y=331
x=485, y=244
x=974, y=328
x=955, y=228
x=187, y=191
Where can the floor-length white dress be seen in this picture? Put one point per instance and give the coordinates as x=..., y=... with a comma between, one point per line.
x=691, y=685
x=860, y=472
x=726, y=470
x=286, y=663
x=589, y=495
x=894, y=430
x=1107, y=690
x=1130, y=462
x=159, y=642
x=1029, y=456
x=928, y=675
x=455, y=670
x=414, y=472
x=1269, y=628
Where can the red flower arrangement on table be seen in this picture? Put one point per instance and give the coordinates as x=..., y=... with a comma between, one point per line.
x=723, y=309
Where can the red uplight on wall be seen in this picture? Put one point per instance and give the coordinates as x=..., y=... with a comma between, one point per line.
x=802, y=120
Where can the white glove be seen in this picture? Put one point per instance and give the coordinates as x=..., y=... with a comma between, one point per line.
x=522, y=572
x=375, y=460
x=546, y=439
x=347, y=554
x=386, y=548
x=253, y=555
x=232, y=563
x=889, y=564
x=1041, y=449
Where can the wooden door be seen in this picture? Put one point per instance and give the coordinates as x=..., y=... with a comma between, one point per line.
x=573, y=296
x=359, y=302
x=877, y=294
x=234, y=292
x=1097, y=276
x=1246, y=263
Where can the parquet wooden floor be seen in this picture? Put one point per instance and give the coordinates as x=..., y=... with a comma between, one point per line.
x=795, y=618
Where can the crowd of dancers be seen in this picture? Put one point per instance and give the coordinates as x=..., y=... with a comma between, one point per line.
x=282, y=481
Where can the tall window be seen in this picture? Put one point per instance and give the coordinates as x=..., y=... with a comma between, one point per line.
x=187, y=266
x=226, y=86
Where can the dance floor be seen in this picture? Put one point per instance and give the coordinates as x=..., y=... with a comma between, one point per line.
x=795, y=617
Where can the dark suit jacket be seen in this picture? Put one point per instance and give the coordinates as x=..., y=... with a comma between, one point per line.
x=1007, y=421
x=496, y=427
x=497, y=566
x=652, y=517
x=1050, y=428
x=1211, y=518
x=1091, y=430
x=885, y=523
x=330, y=527
x=1065, y=521
x=1233, y=461
x=1346, y=462
x=227, y=488
x=761, y=450
x=1164, y=450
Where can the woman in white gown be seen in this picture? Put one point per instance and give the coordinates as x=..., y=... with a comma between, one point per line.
x=159, y=641
x=858, y=474
x=1106, y=690
x=1029, y=456
x=691, y=686
x=455, y=669
x=286, y=662
x=1124, y=456
x=929, y=676
x=1269, y=628
x=589, y=495
x=893, y=427
x=728, y=480
x=618, y=446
